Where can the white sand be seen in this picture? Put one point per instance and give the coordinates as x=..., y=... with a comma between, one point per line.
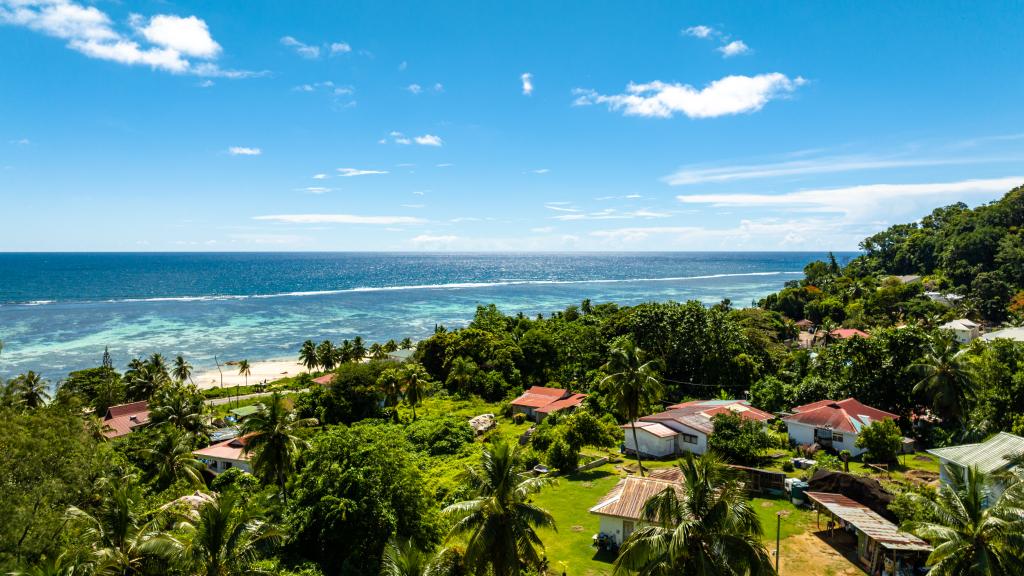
x=268, y=370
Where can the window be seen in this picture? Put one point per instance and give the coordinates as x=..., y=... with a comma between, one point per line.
x=837, y=437
x=689, y=438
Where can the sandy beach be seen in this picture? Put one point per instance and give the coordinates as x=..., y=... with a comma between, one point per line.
x=268, y=370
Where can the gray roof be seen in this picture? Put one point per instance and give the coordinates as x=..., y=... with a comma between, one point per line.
x=988, y=456
x=1008, y=333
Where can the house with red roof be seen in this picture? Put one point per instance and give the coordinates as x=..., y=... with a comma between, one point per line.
x=225, y=455
x=833, y=424
x=684, y=427
x=539, y=401
x=120, y=420
x=847, y=333
x=324, y=380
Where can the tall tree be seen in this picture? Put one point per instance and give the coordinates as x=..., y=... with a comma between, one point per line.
x=973, y=535
x=157, y=362
x=307, y=355
x=32, y=389
x=461, y=374
x=107, y=362
x=500, y=521
x=270, y=439
x=180, y=405
x=415, y=379
x=704, y=527
x=358, y=349
x=326, y=356
x=243, y=370
x=633, y=384
x=171, y=458
x=182, y=369
x=945, y=378
x=405, y=558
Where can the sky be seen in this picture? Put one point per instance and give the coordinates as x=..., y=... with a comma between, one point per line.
x=499, y=126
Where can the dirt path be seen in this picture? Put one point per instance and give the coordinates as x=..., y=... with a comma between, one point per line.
x=808, y=555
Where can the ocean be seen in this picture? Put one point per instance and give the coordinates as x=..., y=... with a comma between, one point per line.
x=59, y=310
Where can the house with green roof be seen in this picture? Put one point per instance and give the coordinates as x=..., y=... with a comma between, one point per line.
x=993, y=455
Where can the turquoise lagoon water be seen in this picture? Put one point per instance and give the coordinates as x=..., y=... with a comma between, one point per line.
x=59, y=311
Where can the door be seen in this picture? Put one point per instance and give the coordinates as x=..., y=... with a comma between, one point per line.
x=627, y=529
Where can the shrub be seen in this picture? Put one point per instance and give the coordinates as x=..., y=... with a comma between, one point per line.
x=738, y=440
x=562, y=457
x=768, y=394
x=787, y=466
x=528, y=457
x=882, y=440
x=436, y=436
x=518, y=418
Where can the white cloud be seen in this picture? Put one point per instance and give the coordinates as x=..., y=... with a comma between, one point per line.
x=414, y=88
x=189, y=36
x=428, y=140
x=358, y=172
x=205, y=84
x=560, y=207
x=438, y=87
x=527, y=79
x=419, y=192
x=734, y=48
x=316, y=190
x=428, y=240
x=725, y=96
x=444, y=165
x=302, y=49
x=340, y=48
x=244, y=151
x=413, y=206
x=173, y=40
x=699, y=31
x=865, y=202
x=339, y=219
x=320, y=176
x=540, y=171
x=611, y=214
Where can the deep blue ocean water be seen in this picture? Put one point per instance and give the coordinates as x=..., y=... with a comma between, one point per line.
x=59, y=311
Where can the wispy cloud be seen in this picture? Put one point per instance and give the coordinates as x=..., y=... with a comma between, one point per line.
x=699, y=31
x=316, y=190
x=734, y=48
x=560, y=207
x=401, y=139
x=613, y=214
x=725, y=96
x=348, y=172
x=21, y=142
x=540, y=171
x=339, y=219
x=414, y=88
x=302, y=49
x=527, y=80
x=244, y=151
x=340, y=48
x=430, y=240
x=428, y=140
x=728, y=48
x=320, y=176
x=176, y=44
x=444, y=165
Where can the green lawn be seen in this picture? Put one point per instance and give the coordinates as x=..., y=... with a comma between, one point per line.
x=794, y=520
x=568, y=501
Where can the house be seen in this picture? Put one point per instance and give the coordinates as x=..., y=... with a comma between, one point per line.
x=225, y=455
x=832, y=424
x=684, y=427
x=804, y=325
x=948, y=299
x=122, y=419
x=324, y=380
x=963, y=330
x=1007, y=333
x=243, y=412
x=401, y=355
x=907, y=278
x=992, y=455
x=847, y=333
x=621, y=510
x=539, y=401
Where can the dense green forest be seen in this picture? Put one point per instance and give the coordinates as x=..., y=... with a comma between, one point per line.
x=380, y=470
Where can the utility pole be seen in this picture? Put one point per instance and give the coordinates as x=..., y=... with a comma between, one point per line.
x=778, y=537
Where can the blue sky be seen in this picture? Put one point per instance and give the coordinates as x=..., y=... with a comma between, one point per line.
x=498, y=126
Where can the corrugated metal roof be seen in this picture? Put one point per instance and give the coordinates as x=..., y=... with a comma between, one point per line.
x=988, y=456
x=627, y=498
x=887, y=534
x=659, y=430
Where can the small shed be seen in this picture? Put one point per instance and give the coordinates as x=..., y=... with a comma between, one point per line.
x=758, y=481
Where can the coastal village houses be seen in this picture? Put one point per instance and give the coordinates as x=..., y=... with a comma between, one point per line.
x=963, y=329
x=991, y=456
x=539, y=401
x=122, y=419
x=225, y=455
x=621, y=509
x=684, y=427
x=832, y=424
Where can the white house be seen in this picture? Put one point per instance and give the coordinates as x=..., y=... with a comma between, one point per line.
x=621, y=509
x=832, y=424
x=225, y=455
x=1016, y=334
x=963, y=330
x=992, y=455
x=684, y=427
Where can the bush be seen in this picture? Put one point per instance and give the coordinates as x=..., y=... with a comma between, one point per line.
x=436, y=436
x=518, y=418
x=882, y=440
x=787, y=466
x=528, y=457
x=562, y=457
x=738, y=440
x=768, y=394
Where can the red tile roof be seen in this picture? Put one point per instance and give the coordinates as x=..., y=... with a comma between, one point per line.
x=848, y=415
x=847, y=333
x=126, y=409
x=123, y=418
x=538, y=396
x=324, y=380
x=233, y=449
x=571, y=402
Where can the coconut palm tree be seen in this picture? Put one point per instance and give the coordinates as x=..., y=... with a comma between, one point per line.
x=358, y=349
x=500, y=521
x=405, y=558
x=970, y=538
x=344, y=352
x=182, y=369
x=157, y=362
x=376, y=351
x=120, y=538
x=703, y=527
x=415, y=379
x=221, y=538
x=143, y=379
x=390, y=346
x=32, y=389
x=945, y=378
x=179, y=405
x=243, y=370
x=307, y=355
x=460, y=375
x=171, y=458
x=632, y=385
x=270, y=438
x=390, y=384
x=406, y=343
x=64, y=564
x=326, y=356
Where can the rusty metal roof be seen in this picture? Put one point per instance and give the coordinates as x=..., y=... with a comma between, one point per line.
x=887, y=534
x=627, y=498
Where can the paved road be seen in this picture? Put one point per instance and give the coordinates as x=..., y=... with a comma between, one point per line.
x=226, y=399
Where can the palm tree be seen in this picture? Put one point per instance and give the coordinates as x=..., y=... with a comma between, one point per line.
x=406, y=343
x=243, y=370
x=326, y=355
x=946, y=379
x=221, y=538
x=970, y=538
x=179, y=405
x=390, y=384
x=460, y=375
x=172, y=459
x=143, y=380
x=307, y=355
x=344, y=352
x=157, y=362
x=390, y=346
x=632, y=384
x=270, y=437
x=404, y=558
x=182, y=369
x=500, y=521
x=32, y=389
x=358, y=349
x=64, y=564
x=704, y=526
x=120, y=539
x=415, y=378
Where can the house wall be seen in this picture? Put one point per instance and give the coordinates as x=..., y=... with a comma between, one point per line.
x=612, y=526
x=530, y=412
x=650, y=445
x=218, y=465
x=803, y=434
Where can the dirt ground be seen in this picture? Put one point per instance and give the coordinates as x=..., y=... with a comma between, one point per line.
x=812, y=554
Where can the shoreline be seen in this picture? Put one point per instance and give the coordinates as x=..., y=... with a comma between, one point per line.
x=261, y=370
